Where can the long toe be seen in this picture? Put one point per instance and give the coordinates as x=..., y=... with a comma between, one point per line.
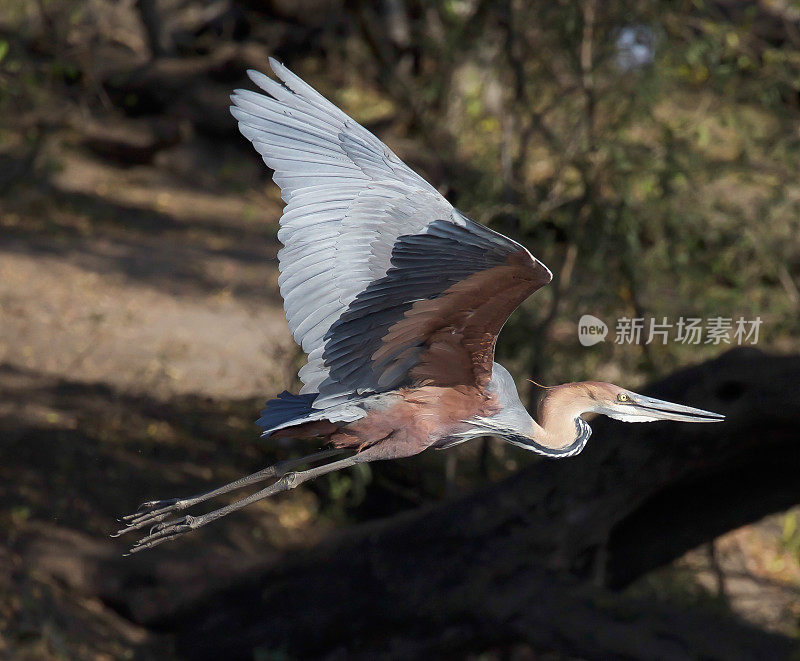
x=163, y=532
x=151, y=505
x=157, y=512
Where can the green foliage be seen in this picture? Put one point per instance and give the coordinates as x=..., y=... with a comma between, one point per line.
x=344, y=491
x=661, y=188
x=791, y=533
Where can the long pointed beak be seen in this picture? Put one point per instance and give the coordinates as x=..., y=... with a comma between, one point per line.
x=661, y=410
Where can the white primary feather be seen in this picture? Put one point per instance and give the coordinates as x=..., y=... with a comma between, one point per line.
x=349, y=199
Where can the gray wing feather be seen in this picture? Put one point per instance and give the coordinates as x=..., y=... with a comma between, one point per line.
x=349, y=198
x=336, y=178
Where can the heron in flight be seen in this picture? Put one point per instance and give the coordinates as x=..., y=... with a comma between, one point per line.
x=397, y=298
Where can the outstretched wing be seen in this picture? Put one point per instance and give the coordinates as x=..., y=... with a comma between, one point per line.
x=384, y=283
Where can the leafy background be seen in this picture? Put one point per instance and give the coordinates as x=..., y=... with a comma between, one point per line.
x=647, y=152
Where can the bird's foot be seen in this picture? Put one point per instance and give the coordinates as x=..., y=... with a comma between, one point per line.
x=163, y=532
x=151, y=513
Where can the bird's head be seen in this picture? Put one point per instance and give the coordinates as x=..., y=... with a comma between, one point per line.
x=628, y=406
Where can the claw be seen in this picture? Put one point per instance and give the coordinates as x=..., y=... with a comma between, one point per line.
x=151, y=513
x=163, y=532
x=150, y=506
x=160, y=526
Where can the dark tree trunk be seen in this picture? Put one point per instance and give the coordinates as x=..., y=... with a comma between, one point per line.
x=148, y=12
x=530, y=559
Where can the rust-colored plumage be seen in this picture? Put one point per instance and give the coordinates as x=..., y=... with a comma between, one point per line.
x=460, y=327
x=397, y=298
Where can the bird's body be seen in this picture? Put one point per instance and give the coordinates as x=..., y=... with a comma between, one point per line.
x=397, y=298
x=410, y=420
x=407, y=421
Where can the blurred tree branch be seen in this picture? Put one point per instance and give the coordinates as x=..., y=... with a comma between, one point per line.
x=153, y=26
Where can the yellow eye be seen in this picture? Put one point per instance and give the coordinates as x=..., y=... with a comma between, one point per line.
x=622, y=397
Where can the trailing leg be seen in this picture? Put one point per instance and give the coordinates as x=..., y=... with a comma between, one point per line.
x=171, y=529
x=155, y=511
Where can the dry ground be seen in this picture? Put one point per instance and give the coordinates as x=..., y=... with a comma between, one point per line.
x=140, y=330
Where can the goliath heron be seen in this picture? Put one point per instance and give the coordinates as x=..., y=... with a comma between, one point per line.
x=397, y=298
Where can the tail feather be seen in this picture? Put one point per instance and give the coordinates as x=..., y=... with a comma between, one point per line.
x=285, y=410
x=290, y=410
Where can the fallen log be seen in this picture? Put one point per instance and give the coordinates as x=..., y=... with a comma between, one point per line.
x=530, y=560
